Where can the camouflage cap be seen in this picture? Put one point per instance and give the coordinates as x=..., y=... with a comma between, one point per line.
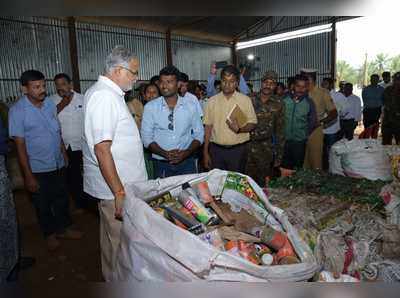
x=270, y=74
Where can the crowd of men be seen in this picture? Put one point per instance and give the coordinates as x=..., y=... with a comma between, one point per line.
x=174, y=127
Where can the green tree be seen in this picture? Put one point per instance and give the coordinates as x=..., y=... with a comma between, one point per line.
x=395, y=64
x=345, y=72
x=381, y=63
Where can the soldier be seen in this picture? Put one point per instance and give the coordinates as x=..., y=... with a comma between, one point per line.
x=270, y=118
x=391, y=115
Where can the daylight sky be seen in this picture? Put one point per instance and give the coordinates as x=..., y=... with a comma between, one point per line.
x=367, y=35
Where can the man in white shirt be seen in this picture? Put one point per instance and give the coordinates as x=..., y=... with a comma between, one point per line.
x=350, y=116
x=386, y=79
x=112, y=149
x=70, y=114
x=331, y=131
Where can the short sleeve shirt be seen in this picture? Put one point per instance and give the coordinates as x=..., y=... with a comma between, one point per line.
x=40, y=129
x=322, y=100
x=107, y=118
x=71, y=120
x=217, y=109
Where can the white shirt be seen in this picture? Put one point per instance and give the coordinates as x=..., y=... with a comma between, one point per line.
x=71, y=120
x=195, y=101
x=203, y=103
x=107, y=117
x=384, y=85
x=339, y=101
x=352, y=108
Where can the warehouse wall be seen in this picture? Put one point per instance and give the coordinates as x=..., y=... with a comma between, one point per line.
x=43, y=43
x=287, y=57
x=31, y=43
x=95, y=41
x=195, y=57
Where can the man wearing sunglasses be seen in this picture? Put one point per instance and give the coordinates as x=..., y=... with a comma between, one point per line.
x=172, y=128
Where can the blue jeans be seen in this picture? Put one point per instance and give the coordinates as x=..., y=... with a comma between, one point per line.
x=164, y=169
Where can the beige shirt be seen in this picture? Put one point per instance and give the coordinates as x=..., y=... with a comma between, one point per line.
x=216, y=112
x=322, y=100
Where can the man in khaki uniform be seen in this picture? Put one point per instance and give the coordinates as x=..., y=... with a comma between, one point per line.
x=225, y=143
x=326, y=114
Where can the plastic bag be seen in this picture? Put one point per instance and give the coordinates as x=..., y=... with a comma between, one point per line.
x=326, y=276
x=390, y=194
x=154, y=249
x=365, y=158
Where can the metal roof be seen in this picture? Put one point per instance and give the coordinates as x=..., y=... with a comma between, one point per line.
x=216, y=28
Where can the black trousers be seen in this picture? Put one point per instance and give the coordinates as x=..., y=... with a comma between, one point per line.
x=75, y=179
x=347, y=128
x=371, y=116
x=389, y=132
x=51, y=202
x=329, y=141
x=233, y=158
x=293, y=154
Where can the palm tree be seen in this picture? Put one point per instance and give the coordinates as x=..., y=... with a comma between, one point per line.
x=381, y=63
x=395, y=64
x=345, y=72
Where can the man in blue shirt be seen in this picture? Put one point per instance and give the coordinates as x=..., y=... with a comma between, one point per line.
x=212, y=90
x=36, y=131
x=171, y=128
x=372, y=97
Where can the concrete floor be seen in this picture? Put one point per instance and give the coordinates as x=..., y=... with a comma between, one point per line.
x=75, y=260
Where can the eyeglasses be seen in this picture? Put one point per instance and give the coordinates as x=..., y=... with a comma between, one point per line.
x=171, y=121
x=134, y=73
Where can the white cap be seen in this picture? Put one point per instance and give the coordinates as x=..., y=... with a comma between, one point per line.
x=267, y=259
x=308, y=70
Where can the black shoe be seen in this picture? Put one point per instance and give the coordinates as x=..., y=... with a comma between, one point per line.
x=26, y=262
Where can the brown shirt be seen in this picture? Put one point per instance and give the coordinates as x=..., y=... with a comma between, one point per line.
x=136, y=109
x=322, y=100
x=216, y=112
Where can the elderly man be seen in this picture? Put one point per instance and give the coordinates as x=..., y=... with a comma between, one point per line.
x=112, y=149
x=172, y=128
x=270, y=119
x=225, y=141
x=326, y=115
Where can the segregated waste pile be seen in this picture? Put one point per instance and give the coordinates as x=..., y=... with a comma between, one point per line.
x=340, y=187
x=227, y=222
x=349, y=223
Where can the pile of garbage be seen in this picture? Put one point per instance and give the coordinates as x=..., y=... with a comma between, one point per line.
x=215, y=226
x=355, y=190
x=352, y=225
x=227, y=222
